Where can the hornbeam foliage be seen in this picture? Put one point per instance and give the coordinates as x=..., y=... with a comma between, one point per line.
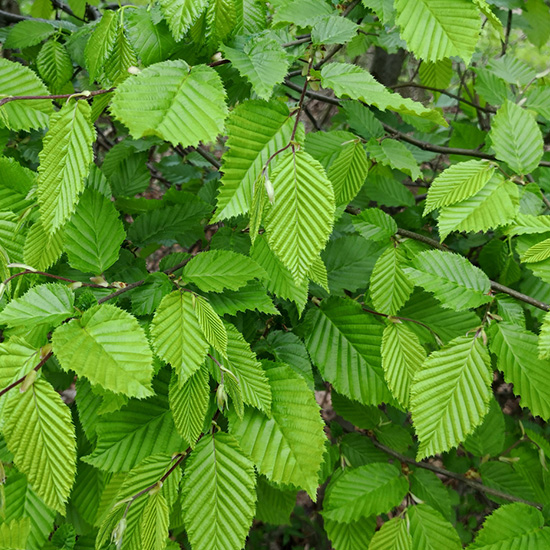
x=275, y=274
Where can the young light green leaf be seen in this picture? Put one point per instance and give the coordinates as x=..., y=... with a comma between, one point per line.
x=457, y=183
x=430, y=531
x=389, y=286
x=450, y=394
x=516, y=138
x=101, y=43
x=211, y=324
x=64, y=163
x=47, y=304
x=25, y=115
x=14, y=535
x=250, y=297
x=353, y=81
x=215, y=270
x=28, y=33
x=348, y=172
x=181, y=14
x=182, y=95
x=121, y=59
x=497, y=203
x=107, y=346
x=288, y=452
x=344, y=343
x=177, y=336
x=332, y=29
x=216, y=470
x=537, y=253
x=94, y=234
x=40, y=434
x=54, y=65
x=451, y=278
x=189, y=403
x=262, y=61
x=299, y=222
x=154, y=522
x=375, y=225
x=256, y=130
x=391, y=152
x=517, y=358
x=365, y=491
x=438, y=36
x=402, y=357
x=393, y=535
x=42, y=249
x=512, y=526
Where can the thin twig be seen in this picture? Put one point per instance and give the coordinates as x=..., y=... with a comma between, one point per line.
x=83, y=95
x=51, y=276
x=22, y=379
x=453, y=475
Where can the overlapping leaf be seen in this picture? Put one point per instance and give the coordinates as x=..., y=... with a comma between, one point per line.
x=450, y=394
x=348, y=172
x=188, y=104
x=430, y=531
x=108, y=347
x=181, y=14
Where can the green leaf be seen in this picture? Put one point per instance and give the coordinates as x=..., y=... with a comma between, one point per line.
x=154, y=522
x=107, y=346
x=120, y=60
x=54, y=65
x=216, y=270
x=12, y=239
x=250, y=16
x=262, y=61
x=344, y=343
x=189, y=403
x=247, y=298
x=22, y=502
x=147, y=297
x=64, y=163
x=332, y=29
x=356, y=83
x=527, y=224
x=288, y=447
x=177, y=336
x=101, y=43
x=28, y=114
x=136, y=431
x=216, y=470
x=516, y=138
x=365, y=491
x=496, y=204
x=363, y=416
x=181, y=14
x=537, y=253
x=430, y=531
x=256, y=130
x=428, y=488
x=391, y=152
x=302, y=13
x=517, y=358
x=375, y=225
x=435, y=29
x=389, y=286
x=348, y=172
x=488, y=438
x=544, y=338
x=14, y=535
x=188, y=106
x=402, y=357
x=28, y=33
x=280, y=281
x=350, y=536
x=40, y=434
x=212, y=326
x=47, y=304
x=274, y=504
x=94, y=234
x=393, y=535
x=42, y=249
x=451, y=278
x=450, y=395
x=457, y=183
x=247, y=370
x=149, y=37
x=297, y=231
x=512, y=526
x=15, y=184
x=220, y=21
x=436, y=74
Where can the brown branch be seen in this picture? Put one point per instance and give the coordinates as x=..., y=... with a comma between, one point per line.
x=22, y=379
x=424, y=145
x=459, y=477
x=83, y=95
